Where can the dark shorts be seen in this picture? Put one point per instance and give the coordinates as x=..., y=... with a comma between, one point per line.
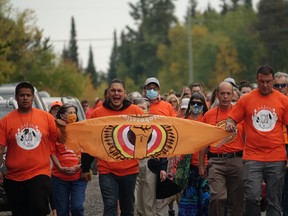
x=29, y=197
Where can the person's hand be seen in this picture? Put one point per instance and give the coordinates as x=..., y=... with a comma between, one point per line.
x=230, y=125
x=76, y=168
x=86, y=176
x=67, y=170
x=60, y=123
x=163, y=175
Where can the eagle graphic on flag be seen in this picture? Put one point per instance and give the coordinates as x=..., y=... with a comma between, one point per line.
x=124, y=137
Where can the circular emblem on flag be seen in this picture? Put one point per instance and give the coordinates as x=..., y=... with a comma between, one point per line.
x=222, y=124
x=138, y=141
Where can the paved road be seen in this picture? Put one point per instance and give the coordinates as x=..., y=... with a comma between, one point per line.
x=93, y=204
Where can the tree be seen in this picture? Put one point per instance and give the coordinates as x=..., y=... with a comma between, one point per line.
x=65, y=54
x=24, y=51
x=91, y=70
x=235, y=4
x=174, y=71
x=248, y=3
x=272, y=27
x=112, y=71
x=154, y=18
x=227, y=64
x=192, y=8
x=26, y=55
x=225, y=7
x=71, y=54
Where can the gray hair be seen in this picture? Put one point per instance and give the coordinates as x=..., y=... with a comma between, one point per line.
x=281, y=74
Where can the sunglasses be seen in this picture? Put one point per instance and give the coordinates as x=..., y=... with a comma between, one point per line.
x=196, y=102
x=282, y=85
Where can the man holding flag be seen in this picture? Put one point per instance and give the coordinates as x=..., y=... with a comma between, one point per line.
x=117, y=179
x=225, y=163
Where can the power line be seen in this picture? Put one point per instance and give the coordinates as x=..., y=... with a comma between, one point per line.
x=82, y=39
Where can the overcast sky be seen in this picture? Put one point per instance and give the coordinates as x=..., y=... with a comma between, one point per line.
x=95, y=22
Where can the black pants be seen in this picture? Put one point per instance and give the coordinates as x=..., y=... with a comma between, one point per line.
x=30, y=197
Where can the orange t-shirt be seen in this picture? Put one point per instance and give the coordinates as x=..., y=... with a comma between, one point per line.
x=218, y=117
x=264, y=118
x=29, y=139
x=285, y=134
x=120, y=168
x=67, y=158
x=162, y=108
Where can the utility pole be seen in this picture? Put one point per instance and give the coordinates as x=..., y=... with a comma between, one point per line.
x=190, y=51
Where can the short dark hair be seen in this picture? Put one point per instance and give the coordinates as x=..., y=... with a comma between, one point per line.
x=265, y=70
x=116, y=81
x=84, y=102
x=245, y=84
x=194, y=84
x=24, y=84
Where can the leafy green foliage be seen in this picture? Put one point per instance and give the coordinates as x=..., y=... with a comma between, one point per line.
x=232, y=42
x=26, y=55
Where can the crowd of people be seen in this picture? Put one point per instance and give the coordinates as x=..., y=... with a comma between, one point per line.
x=226, y=180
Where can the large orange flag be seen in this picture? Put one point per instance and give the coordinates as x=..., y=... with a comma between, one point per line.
x=139, y=136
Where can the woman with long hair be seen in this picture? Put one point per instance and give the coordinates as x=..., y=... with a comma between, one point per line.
x=174, y=101
x=196, y=196
x=68, y=185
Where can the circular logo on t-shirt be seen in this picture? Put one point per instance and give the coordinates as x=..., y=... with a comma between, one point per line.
x=222, y=124
x=28, y=137
x=264, y=120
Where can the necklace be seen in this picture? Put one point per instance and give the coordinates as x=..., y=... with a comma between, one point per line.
x=223, y=111
x=26, y=123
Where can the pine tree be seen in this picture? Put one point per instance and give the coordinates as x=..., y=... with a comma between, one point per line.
x=193, y=6
x=112, y=74
x=225, y=7
x=154, y=19
x=248, y=3
x=65, y=53
x=91, y=70
x=73, y=48
x=234, y=4
x=273, y=21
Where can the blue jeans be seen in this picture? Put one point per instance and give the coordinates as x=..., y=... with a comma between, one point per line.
x=69, y=196
x=253, y=174
x=117, y=187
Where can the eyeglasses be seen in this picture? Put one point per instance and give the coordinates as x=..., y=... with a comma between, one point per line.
x=282, y=85
x=196, y=103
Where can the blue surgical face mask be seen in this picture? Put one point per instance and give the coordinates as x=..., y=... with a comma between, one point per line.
x=196, y=109
x=152, y=94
